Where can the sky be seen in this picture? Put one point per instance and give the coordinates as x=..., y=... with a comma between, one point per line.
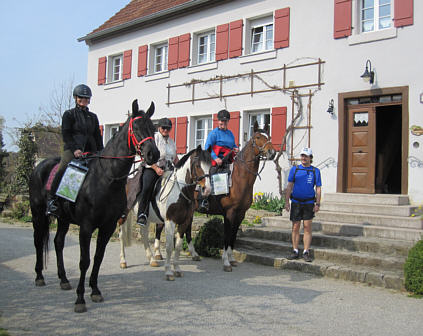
x=40, y=51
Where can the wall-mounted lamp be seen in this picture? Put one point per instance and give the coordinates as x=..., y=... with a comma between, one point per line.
x=331, y=107
x=368, y=76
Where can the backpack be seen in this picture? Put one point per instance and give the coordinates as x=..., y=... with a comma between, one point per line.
x=314, y=183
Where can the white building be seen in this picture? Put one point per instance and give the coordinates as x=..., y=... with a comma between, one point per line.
x=265, y=60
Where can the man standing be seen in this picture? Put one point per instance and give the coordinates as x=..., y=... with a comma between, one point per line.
x=305, y=201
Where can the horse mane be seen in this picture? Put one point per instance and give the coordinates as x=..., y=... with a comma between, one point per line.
x=204, y=156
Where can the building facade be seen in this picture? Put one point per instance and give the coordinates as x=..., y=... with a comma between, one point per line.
x=296, y=65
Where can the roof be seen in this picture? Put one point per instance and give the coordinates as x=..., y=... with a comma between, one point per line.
x=142, y=12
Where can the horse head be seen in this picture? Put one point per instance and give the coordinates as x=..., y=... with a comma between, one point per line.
x=141, y=133
x=261, y=142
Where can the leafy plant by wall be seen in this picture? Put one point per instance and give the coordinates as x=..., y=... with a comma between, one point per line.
x=209, y=240
x=413, y=269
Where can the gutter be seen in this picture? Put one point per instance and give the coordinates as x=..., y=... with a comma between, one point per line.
x=145, y=19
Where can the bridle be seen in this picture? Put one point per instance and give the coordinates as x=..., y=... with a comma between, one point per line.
x=261, y=148
x=132, y=138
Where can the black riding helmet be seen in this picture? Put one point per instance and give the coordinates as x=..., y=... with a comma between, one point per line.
x=165, y=122
x=82, y=91
x=223, y=115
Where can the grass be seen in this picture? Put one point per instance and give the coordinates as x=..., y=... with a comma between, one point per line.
x=3, y=332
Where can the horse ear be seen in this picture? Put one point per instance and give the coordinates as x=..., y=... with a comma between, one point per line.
x=266, y=128
x=150, y=110
x=256, y=126
x=135, y=107
x=199, y=149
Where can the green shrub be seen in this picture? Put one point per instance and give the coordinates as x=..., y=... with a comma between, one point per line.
x=266, y=201
x=20, y=210
x=413, y=269
x=209, y=239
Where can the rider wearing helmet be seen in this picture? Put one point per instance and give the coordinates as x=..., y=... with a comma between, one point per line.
x=81, y=133
x=150, y=174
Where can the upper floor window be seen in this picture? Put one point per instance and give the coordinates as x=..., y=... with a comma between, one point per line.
x=206, y=47
x=375, y=15
x=262, y=38
x=115, y=68
x=203, y=127
x=160, y=58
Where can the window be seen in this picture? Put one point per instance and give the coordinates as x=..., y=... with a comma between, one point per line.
x=203, y=127
x=206, y=47
x=262, y=38
x=262, y=117
x=160, y=58
x=375, y=15
x=115, y=68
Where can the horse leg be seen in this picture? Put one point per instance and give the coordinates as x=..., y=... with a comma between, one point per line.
x=194, y=255
x=231, y=221
x=157, y=253
x=59, y=243
x=123, y=263
x=84, y=262
x=235, y=226
x=148, y=253
x=41, y=237
x=104, y=234
x=170, y=234
x=178, y=247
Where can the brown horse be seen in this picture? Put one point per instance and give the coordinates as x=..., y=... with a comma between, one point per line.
x=234, y=205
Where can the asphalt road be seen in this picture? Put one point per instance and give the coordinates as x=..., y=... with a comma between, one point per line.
x=252, y=300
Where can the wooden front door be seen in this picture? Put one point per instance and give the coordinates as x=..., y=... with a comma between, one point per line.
x=361, y=149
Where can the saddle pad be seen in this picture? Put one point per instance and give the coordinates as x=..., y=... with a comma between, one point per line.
x=51, y=177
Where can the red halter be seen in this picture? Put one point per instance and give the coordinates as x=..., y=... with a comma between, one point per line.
x=131, y=136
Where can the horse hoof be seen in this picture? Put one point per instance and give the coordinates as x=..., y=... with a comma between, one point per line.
x=158, y=257
x=40, y=282
x=178, y=274
x=227, y=268
x=65, y=286
x=170, y=277
x=123, y=265
x=154, y=263
x=96, y=298
x=234, y=263
x=196, y=258
x=80, y=308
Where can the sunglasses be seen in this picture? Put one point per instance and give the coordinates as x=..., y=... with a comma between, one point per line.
x=166, y=128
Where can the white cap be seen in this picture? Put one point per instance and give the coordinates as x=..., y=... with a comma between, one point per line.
x=306, y=151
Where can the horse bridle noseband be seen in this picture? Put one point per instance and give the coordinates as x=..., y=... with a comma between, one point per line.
x=132, y=138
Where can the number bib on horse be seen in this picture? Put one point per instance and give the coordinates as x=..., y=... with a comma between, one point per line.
x=72, y=180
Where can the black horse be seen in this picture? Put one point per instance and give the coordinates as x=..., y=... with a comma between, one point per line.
x=100, y=203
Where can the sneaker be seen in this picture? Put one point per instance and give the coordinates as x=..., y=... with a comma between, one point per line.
x=293, y=255
x=307, y=257
x=142, y=220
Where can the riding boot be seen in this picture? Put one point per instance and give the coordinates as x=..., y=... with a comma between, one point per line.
x=203, y=204
x=52, y=207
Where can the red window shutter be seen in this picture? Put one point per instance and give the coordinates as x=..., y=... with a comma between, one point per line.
x=181, y=135
x=183, y=54
x=403, y=13
x=142, y=60
x=222, y=39
x=235, y=38
x=278, y=127
x=127, y=64
x=215, y=121
x=101, y=129
x=282, y=17
x=173, y=53
x=172, y=131
x=343, y=18
x=233, y=125
x=102, y=70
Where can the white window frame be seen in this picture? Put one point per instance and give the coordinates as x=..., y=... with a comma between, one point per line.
x=115, y=68
x=207, y=129
x=249, y=126
x=210, y=47
x=376, y=15
x=163, y=48
x=267, y=42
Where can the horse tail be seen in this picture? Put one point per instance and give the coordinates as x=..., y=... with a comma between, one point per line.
x=126, y=229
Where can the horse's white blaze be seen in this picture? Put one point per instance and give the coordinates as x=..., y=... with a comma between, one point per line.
x=207, y=188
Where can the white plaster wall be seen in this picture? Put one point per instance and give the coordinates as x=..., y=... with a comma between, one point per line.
x=396, y=62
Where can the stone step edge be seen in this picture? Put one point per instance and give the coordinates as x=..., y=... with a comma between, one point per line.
x=387, y=280
x=326, y=250
x=377, y=206
x=352, y=197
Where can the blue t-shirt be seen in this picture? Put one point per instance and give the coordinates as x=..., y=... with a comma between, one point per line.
x=304, y=183
x=218, y=139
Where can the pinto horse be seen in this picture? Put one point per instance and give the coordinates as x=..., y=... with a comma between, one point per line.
x=101, y=201
x=176, y=204
x=234, y=205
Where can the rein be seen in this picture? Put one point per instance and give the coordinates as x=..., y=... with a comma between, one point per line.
x=132, y=138
x=258, y=156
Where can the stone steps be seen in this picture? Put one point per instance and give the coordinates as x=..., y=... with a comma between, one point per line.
x=378, y=199
x=371, y=209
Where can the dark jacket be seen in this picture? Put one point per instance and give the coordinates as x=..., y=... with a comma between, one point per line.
x=81, y=130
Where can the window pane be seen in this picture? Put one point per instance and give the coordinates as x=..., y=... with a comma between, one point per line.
x=368, y=14
x=384, y=2
x=368, y=26
x=368, y=3
x=385, y=23
x=385, y=10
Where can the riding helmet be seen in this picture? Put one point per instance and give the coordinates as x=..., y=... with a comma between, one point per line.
x=165, y=122
x=223, y=115
x=82, y=91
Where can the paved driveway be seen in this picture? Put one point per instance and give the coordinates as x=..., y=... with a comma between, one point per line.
x=252, y=300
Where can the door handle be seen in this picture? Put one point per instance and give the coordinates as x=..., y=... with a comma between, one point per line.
x=360, y=151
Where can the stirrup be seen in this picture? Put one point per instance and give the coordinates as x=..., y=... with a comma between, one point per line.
x=142, y=219
x=52, y=208
x=203, y=206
